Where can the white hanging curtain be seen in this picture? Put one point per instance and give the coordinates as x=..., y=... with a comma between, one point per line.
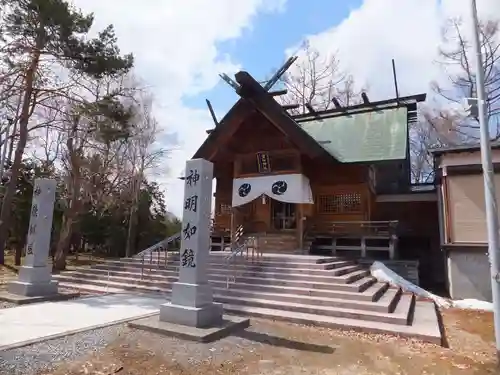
x=290, y=188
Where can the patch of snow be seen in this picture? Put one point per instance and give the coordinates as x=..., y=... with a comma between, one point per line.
x=473, y=304
x=384, y=274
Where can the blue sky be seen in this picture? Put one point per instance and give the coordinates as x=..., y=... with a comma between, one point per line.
x=261, y=48
x=180, y=46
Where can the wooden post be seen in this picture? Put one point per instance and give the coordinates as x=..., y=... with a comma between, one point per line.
x=232, y=228
x=363, y=246
x=300, y=227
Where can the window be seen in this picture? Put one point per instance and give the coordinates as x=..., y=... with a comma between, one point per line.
x=344, y=203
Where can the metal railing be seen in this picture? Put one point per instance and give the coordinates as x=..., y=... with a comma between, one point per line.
x=374, y=228
x=238, y=247
x=160, y=247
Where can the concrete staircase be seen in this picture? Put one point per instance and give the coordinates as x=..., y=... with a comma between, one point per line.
x=322, y=291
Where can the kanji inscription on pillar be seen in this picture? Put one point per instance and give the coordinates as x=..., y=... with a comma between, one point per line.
x=40, y=227
x=35, y=276
x=192, y=300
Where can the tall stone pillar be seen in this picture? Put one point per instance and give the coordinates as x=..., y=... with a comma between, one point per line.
x=191, y=313
x=35, y=276
x=192, y=301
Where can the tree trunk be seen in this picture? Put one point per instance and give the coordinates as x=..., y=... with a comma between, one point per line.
x=73, y=209
x=18, y=255
x=27, y=107
x=132, y=224
x=10, y=192
x=64, y=242
x=131, y=233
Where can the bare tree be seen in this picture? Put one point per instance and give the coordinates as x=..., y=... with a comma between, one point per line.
x=93, y=132
x=457, y=61
x=432, y=130
x=317, y=79
x=144, y=154
x=43, y=42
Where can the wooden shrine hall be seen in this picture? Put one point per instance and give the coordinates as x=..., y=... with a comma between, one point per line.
x=317, y=182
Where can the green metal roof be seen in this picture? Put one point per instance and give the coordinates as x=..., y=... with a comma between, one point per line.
x=362, y=137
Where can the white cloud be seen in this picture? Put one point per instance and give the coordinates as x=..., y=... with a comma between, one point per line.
x=407, y=30
x=175, y=47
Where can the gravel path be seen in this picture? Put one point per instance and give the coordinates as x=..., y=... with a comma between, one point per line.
x=36, y=358
x=43, y=357
x=6, y=305
x=267, y=347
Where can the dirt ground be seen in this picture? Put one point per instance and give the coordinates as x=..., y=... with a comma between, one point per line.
x=274, y=348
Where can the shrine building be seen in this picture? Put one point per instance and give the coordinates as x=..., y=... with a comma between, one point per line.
x=324, y=182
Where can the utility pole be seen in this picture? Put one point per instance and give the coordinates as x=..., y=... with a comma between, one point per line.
x=489, y=176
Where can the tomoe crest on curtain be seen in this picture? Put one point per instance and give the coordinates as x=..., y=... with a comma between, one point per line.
x=244, y=190
x=279, y=187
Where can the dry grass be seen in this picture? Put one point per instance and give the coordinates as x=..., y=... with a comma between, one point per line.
x=8, y=272
x=273, y=348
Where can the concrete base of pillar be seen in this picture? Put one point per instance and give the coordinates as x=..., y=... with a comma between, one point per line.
x=227, y=326
x=32, y=289
x=24, y=300
x=33, y=282
x=200, y=317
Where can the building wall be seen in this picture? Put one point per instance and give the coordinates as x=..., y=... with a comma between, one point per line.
x=462, y=195
x=465, y=158
x=463, y=224
x=418, y=231
x=469, y=274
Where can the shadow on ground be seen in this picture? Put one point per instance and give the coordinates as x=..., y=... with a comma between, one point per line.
x=264, y=338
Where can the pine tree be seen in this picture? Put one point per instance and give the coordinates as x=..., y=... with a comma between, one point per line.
x=40, y=39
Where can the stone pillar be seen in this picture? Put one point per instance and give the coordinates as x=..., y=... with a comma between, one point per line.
x=35, y=276
x=192, y=301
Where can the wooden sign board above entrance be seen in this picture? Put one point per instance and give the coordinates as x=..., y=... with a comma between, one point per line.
x=263, y=162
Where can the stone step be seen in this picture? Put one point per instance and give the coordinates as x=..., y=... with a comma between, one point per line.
x=241, y=261
x=425, y=325
x=338, y=268
x=360, y=284
x=80, y=285
x=129, y=285
x=372, y=292
x=102, y=279
x=273, y=258
x=400, y=318
x=313, y=281
x=335, y=270
x=384, y=305
x=325, y=291
x=326, y=307
x=335, y=275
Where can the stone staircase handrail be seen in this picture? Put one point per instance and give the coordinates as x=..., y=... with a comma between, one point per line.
x=237, y=248
x=160, y=246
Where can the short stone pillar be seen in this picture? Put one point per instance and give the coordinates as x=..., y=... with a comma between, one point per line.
x=192, y=300
x=35, y=276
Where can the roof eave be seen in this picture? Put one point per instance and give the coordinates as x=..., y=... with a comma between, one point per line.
x=462, y=148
